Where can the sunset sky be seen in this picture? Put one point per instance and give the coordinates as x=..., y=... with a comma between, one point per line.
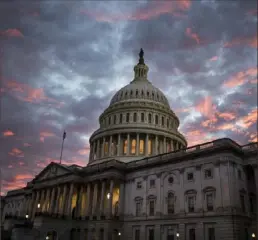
x=62, y=61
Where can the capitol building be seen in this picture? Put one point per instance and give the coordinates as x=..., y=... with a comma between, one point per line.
x=141, y=182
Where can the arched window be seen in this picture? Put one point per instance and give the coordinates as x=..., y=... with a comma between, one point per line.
x=162, y=121
x=135, y=117
x=121, y=118
x=142, y=117
x=156, y=119
x=127, y=117
x=136, y=93
x=142, y=93
x=133, y=146
x=114, y=119
x=149, y=118
x=148, y=94
x=167, y=123
x=171, y=203
x=131, y=92
x=153, y=94
x=141, y=150
x=109, y=120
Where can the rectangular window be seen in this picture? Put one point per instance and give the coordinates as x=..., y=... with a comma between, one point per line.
x=191, y=204
x=137, y=234
x=152, y=183
x=208, y=173
x=192, y=234
x=133, y=146
x=151, y=234
x=152, y=208
x=242, y=200
x=211, y=234
x=139, y=185
x=141, y=150
x=209, y=201
x=138, y=208
x=190, y=176
x=251, y=200
x=170, y=235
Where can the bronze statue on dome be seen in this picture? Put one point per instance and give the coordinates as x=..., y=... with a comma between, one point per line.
x=141, y=54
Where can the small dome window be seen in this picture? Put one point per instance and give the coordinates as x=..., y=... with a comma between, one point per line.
x=153, y=94
x=127, y=117
x=156, y=119
x=114, y=119
x=109, y=120
x=121, y=118
x=131, y=92
x=149, y=117
x=125, y=94
x=167, y=123
x=135, y=117
x=162, y=121
x=142, y=117
x=136, y=93
x=148, y=94
x=158, y=96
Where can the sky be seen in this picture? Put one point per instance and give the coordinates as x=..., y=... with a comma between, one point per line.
x=62, y=61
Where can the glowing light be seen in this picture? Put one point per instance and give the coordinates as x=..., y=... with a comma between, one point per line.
x=27, y=216
x=253, y=235
x=38, y=205
x=47, y=237
x=108, y=195
x=119, y=234
x=177, y=234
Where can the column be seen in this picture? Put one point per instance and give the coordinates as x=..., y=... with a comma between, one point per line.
x=172, y=145
x=121, y=199
x=79, y=207
x=98, y=149
x=181, y=231
x=110, y=203
x=88, y=208
x=64, y=200
x=35, y=205
x=164, y=145
x=128, y=145
x=102, y=198
x=156, y=145
x=146, y=144
x=95, y=198
x=137, y=144
x=52, y=202
x=110, y=146
x=32, y=199
x=57, y=200
x=119, y=145
x=45, y=206
x=25, y=206
x=68, y=207
x=103, y=147
x=93, y=151
x=41, y=201
x=90, y=156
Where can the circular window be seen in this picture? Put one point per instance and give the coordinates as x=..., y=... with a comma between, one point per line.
x=170, y=180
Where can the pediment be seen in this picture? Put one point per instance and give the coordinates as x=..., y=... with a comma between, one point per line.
x=51, y=171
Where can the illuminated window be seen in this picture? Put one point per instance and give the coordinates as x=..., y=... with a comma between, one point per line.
x=125, y=147
x=133, y=147
x=106, y=148
x=141, y=150
x=149, y=147
x=149, y=118
x=156, y=119
x=127, y=117
x=121, y=118
x=135, y=117
x=142, y=117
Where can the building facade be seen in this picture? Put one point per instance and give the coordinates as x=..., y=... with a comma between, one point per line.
x=141, y=182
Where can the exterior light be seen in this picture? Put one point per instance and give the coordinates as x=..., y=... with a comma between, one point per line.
x=27, y=216
x=119, y=234
x=38, y=205
x=177, y=234
x=47, y=237
x=108, y=195
x=253, y=235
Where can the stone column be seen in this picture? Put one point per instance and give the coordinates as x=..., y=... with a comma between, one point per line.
x=137, y=144
x=103, y=147
x=102, y=198
x=90, y=155
x=95, y=199
x=79, y=207
x=128, y=144
x=43, y=194
x=52, y=201
x=68, y=212
x=121, y=199
x=44, y=207
x=111, y=148
x=119, y=145
x=88, y=208
x=146, y=144
x=63, y=212
x=35, y=204
x=98, y=148
x=93, y=151
x=31, y=204
x=156, y=145
x=164, y=145
x=110, y=203
x=57, y=200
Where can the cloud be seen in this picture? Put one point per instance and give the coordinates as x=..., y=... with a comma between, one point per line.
x=12, y=33
x=16, y=152
x=251, y=42
x=8, y=133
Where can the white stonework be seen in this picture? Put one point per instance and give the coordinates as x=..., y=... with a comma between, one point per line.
x=142, y=182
